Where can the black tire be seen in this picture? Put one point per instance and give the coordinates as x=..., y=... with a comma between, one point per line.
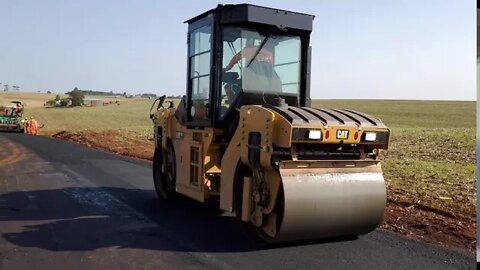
x=164, y=181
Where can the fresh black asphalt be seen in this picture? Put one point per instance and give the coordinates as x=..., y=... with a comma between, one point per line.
x=67, y=206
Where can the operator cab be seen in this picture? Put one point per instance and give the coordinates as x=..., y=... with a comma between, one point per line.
x=244, y=55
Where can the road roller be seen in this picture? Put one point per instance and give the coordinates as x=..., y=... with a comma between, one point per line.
x=246, y=137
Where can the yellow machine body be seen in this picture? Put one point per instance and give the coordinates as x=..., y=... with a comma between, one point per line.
x=308, y=197
x=246, y=137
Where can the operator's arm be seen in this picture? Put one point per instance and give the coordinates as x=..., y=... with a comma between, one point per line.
x=237, y=57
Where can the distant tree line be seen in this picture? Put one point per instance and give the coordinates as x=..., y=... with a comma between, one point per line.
x=174, y=97
x=101, y=93
x=148, y=95
x=111, y=93
x=76, y=97
x=6, y=87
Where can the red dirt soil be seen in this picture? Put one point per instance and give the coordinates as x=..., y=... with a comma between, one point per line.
x=114, y=141
x=414, y=221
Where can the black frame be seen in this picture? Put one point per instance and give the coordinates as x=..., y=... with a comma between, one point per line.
x=192, y=27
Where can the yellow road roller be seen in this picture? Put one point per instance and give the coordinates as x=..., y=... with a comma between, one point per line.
x=245, y=134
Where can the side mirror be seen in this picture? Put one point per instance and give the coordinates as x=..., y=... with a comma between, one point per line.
x=161, y=100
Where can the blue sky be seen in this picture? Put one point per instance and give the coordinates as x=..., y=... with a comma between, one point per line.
x=361, y=49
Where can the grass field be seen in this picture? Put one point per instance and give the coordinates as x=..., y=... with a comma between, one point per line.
x=32, y=100
x=430, y=162
x=130, y=114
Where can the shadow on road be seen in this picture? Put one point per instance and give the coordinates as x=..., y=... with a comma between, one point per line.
x=91, y=218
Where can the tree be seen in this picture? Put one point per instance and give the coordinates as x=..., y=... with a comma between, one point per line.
x=6, y=87
x=76, y=96
x=49, y=92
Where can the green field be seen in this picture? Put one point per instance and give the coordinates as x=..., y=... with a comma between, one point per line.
x=396, y=114
x=412, y=114
x=31, y=100
x=430, y=162
x=130, y=114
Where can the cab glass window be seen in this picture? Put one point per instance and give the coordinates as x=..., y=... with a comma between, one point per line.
x=200, y=62
x=260, y=62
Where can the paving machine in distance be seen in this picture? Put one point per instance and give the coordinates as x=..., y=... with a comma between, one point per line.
x=246, y=136
x=11, y=117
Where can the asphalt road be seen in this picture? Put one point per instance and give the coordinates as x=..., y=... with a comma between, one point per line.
x=66, y=206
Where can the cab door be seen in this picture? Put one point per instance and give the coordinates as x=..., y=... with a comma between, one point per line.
x=199, y=99
x=199, y=114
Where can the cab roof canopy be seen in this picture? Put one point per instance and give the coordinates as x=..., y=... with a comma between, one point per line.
x=252, y=14
x=9, y=105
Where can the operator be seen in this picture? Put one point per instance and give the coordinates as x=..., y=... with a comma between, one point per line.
x=18, y=109
x=258, y=63
x=264, y=56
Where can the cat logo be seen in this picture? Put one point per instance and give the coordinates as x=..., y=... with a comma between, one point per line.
x=342, y=134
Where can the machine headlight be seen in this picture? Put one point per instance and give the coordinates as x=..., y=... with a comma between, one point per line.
x=314, y=134
x=370, y=136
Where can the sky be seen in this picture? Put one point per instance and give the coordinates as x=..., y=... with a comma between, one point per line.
x=361, y=49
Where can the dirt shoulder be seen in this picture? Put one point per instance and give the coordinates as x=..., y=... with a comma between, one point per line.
x=119, y=142
x=403, y=215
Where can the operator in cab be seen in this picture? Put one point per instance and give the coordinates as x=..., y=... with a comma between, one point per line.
x=259, y=57
x=257, y=70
